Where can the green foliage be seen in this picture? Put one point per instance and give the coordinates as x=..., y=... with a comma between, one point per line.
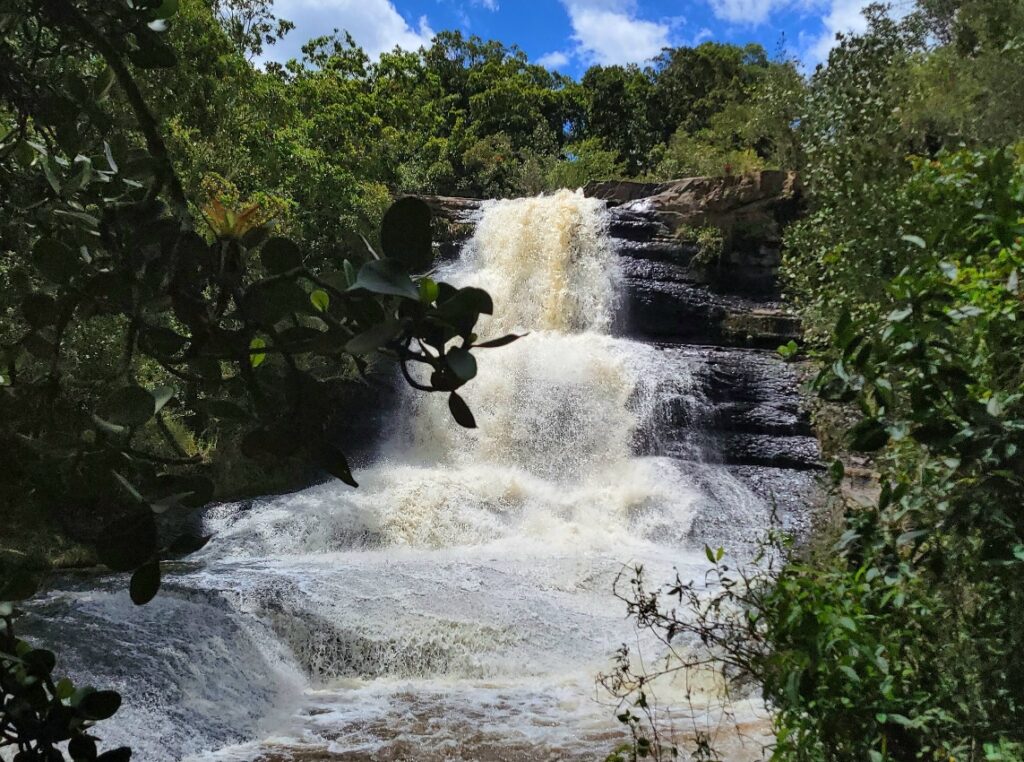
x=42, y=713
x=789, y=350
x=584, y=161
x=618, y=112
x=689, y=156
x=709, y=240
x=938, y=381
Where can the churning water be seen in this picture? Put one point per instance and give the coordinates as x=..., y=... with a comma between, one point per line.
x=459, y=604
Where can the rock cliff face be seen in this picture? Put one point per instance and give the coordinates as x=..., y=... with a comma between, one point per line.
x=700, y=259
x=701, y=256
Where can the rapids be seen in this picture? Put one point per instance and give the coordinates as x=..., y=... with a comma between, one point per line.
x=459, y=604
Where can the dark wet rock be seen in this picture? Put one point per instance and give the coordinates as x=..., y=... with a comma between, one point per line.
x=749, y=412
x=660, y=305
x=684, y=283
x=454, y=219
x=768, y=450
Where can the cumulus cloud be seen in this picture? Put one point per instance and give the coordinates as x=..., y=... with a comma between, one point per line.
x=703, y=34
x=608, y=32
x=751, y=12
x=842, y=16
x=376, y=25
x=554, y=60
x=834, y=16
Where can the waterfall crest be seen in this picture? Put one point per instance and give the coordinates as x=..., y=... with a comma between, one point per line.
x=547, y=263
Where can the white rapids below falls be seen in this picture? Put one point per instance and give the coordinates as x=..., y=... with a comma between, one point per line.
x=459, y=604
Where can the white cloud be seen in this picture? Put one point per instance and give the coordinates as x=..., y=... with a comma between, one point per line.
x=846, y=17
x=751, y=12
x=843, y=16
x=553, y=60
x=376, y=25
x=703, y=34
x=835, y=16
x=607, y=32
x=491, y=5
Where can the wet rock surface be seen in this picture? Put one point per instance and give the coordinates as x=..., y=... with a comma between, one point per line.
x=676, y=289
x=699, y=260
x=751, y=412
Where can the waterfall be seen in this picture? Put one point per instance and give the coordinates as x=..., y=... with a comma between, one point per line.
x=458, y=604
x=551, y=462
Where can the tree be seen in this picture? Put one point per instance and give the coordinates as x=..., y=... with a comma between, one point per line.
x=619, y=112
x=693, y=84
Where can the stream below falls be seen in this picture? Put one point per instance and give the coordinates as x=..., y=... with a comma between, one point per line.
x=459, y=604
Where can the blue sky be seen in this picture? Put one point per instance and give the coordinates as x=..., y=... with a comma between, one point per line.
x=570, y=35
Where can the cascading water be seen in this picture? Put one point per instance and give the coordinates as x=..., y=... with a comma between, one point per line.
x=459, y=604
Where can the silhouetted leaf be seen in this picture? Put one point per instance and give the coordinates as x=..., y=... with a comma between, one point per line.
x=129, y=543
x=187, y=544
x=145, y=583
x=868, y=435
x=153, y=54
x=460, y=411
x=99, y=705
x=333, y=461
x=82, y=748
x=468, y=299
x=129, y=406
x=386, y=276
x=462, y=363
x=17, y=584
x=501, y=342
x=405, y=234
x=39, y=310
x=225, y=409
x=40, y=661
x=374, y=338
x=121, y=754
x=56, y=261
x=280, y=255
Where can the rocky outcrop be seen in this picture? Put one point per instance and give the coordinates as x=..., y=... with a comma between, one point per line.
x=755, y=200
x=747, y=411
x=700, y=261
x=453, y=221
x=700, y=257
x=617, y=192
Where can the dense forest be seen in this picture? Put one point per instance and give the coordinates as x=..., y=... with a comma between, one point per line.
x=186, y=289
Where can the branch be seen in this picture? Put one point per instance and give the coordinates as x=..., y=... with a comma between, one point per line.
x=147, y=122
